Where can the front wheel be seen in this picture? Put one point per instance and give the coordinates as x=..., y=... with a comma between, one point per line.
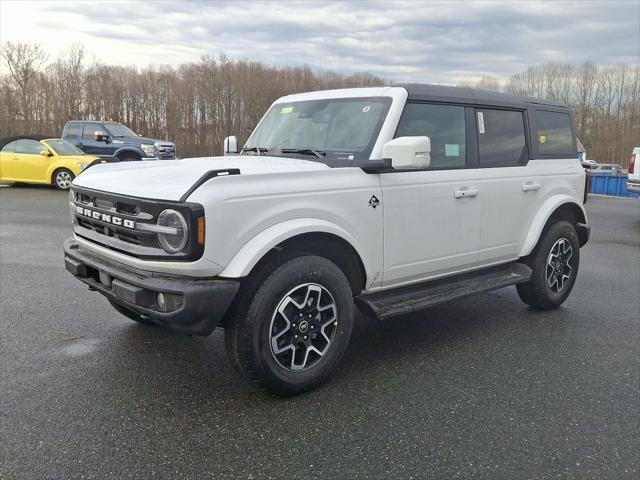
x=554, y=262
x=62, y=179
x=291, y=324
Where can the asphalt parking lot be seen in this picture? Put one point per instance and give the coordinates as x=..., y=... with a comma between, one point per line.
x=483, y=388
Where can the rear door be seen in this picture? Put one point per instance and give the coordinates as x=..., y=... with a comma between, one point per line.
x=431, y=227
x=510, y=184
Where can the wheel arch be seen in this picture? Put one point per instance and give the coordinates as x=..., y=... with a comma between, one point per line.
x=558, y=207
x=314, y=236
x=123, y=151
x=55, y=167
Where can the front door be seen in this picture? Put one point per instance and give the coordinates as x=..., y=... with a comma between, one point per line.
x=88, y=141
x=28, y=162
x=432, y=217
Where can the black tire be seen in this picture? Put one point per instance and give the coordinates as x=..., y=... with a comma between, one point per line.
x=129, y=157
x=254, y=321
x=62, y=178
x=132, y=315
x=548, y=287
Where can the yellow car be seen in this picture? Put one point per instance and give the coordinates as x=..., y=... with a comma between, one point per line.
x=33, y=159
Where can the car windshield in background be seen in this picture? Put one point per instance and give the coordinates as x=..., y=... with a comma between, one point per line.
x=333, y=131
x=117, y=130
x=62, y=147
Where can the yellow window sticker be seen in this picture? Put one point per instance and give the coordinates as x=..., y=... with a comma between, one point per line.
x=542, y=138
x=286, y=110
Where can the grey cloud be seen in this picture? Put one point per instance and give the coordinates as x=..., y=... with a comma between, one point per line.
x=428, y=41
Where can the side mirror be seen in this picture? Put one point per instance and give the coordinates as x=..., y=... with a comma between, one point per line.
x=408, y=152
x=45, y=153
x=230, y=144
x=101, y=136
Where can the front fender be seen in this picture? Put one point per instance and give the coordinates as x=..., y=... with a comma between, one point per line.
x=251, y=252
x=71, y=165
x=541, y=218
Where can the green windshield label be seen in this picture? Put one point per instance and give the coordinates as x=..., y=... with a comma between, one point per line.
x=286, y=110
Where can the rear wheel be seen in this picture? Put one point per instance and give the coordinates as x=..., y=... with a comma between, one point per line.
x=291, y=325
x=62, y=179
x=554, y=262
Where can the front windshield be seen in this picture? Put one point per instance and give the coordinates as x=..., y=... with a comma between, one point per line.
x=335, y=131
x=117, y=130
x=62, y=147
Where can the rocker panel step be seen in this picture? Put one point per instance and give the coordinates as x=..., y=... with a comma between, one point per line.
x=404, y=300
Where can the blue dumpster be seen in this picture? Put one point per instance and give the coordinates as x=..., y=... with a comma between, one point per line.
x=613, y=185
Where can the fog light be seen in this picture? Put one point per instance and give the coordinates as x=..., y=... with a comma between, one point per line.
x=161, y=301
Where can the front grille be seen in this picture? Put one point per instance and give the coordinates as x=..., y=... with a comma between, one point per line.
x=123, y=223
x=166, y=151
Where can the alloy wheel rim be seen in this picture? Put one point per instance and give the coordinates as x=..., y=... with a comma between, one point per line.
x=63, y=179
x=558, y=269
x=303, y=327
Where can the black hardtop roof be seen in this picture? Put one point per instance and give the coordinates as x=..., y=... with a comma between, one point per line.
x=442, y=93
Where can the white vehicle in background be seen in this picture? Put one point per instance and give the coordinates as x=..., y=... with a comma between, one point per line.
x=633, y=181
x=391, y=198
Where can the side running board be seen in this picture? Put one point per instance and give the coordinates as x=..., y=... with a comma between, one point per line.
x=208, y=176
x=404, y=300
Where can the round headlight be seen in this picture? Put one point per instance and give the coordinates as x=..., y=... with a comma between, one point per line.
x=173, y=242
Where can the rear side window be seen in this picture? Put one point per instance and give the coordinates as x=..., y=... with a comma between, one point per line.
x=89, y=132
x=501, y=138
x=554, y=135
x=31, y=147
x=445, y=127
x=72, y=131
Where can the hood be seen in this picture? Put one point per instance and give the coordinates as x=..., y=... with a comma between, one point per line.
x=169, y=180
x=139, y=140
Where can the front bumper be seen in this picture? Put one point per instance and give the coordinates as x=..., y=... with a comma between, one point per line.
x=633, y=186
x=191, y=305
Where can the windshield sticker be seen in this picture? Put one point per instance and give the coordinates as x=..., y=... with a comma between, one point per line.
x=366, y=108
x=451, y=150
x=286, y=110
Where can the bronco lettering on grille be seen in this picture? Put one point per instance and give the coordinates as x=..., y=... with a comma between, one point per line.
x=105, y=217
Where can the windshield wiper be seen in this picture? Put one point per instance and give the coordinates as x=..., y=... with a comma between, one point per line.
x=258, y=150
x=305, y=151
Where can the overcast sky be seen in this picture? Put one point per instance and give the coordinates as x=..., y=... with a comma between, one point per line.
x=403, y=41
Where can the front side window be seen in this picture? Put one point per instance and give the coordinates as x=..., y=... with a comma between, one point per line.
x=64, y=148
x=445, y=127
x=338, y=130
x=29, y=147
x=118, y=130
x=554, y=133
x=89, y=131
x=501, y=139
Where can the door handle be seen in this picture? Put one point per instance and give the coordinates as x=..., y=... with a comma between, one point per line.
x=530, y=187
x=465, y=193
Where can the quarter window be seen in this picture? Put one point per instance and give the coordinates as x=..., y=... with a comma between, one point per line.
x=501, y=138
x=445, y=127
x=89, y=132
x=30, y=147
x=10, y=147
x=554, y=134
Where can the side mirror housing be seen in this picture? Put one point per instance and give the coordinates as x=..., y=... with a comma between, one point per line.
x=45, y=153
x=230, y=144
x=408, y=153
x=100, y=136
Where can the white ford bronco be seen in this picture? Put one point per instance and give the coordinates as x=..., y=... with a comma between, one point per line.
x=391, y=199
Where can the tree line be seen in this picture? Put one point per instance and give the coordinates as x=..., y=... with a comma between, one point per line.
x=197, y=104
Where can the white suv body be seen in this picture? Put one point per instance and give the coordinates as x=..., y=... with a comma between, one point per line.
x=474, y=183
x=633, y=179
